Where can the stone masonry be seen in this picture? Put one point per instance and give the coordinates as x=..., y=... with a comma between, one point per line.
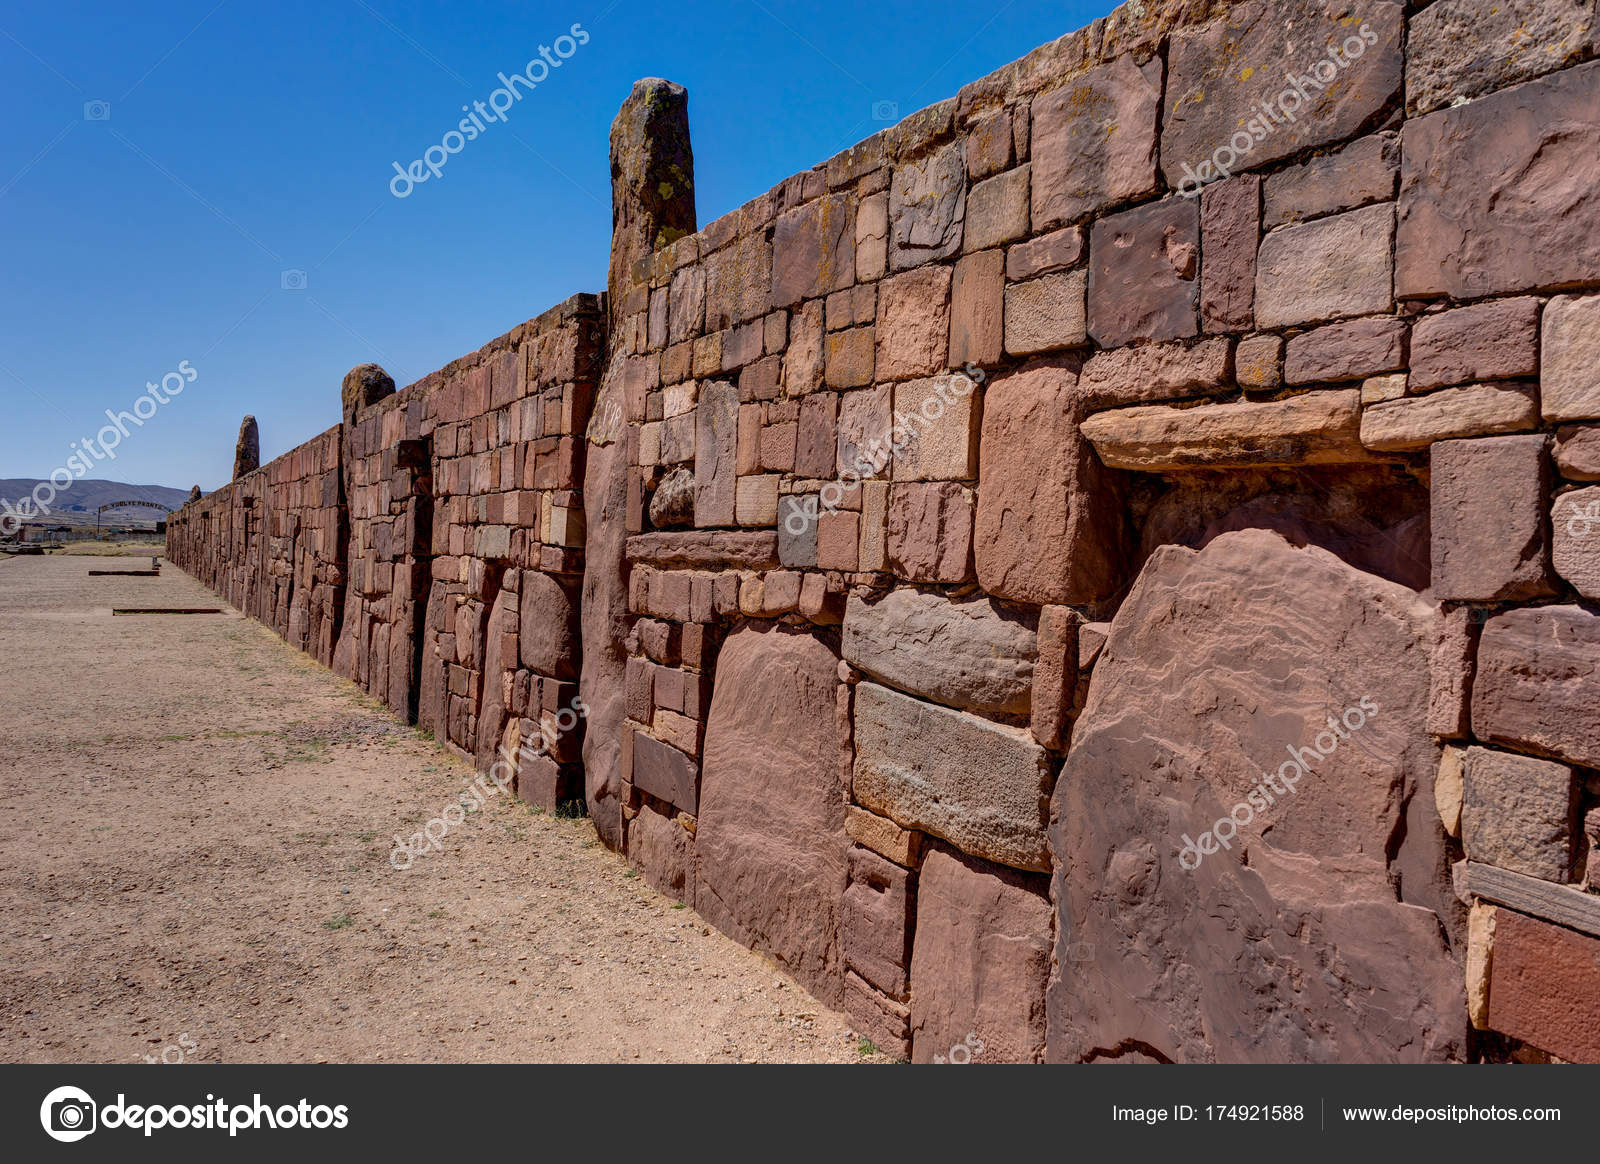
x=1107, y=565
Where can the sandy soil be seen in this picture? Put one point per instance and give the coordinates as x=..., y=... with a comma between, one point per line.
x=197, y=821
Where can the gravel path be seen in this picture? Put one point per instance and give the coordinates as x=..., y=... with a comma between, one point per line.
x=197, y=823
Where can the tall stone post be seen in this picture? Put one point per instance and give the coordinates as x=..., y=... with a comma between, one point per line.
x=247, y=449
x=652, y=204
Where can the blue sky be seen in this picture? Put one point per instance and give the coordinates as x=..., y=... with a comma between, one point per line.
x=163, y=165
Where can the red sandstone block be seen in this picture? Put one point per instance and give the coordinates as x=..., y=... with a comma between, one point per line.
x=838, y=536
x=639, y=688
x=1544, y=986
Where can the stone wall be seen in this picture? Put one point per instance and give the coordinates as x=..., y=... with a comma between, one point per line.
x=1100, y=570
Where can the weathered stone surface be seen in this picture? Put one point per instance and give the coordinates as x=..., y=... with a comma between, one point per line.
x=876, y=919
x=883, y=836
x=1272, y=52
x=797, y=531
x=652, y=181
x=716, y=447
x=1519, y=813
x=1046, y=313
x=929, y=532
x=1333, y=268
x=1474, y=410
x=1051, y=252
x=756, y=500
x=1464, y=48
x=1488, y=523
x=913, y=328
x=977, y=309
x=1149, y=372
x=673, y=501
x=1055, y=675
x=1575, y=523
x=1538, y=683
x=1449, y=788
x=1544, y=987
x=927, y=208
x=750, y=550
x=247, y=449
x=936, y=430
x=1503, y=194
x=980, y=963
x=686, y=304
x=872, y=237
x=364, y=385
x=849, y=356
x=1258, y=362
x=1454, y=654
x=770, y=840
x=1570, y=376
x=1577, y=453
x=969, y=654
x=1314, y=428
x=1346, y=351
x=980, y=786
x=663, y=851
x=1144, y=267
x=1094, y=141
x=1050, y=526
x=1498, y=340
x=666, y=773
x=813, y=250
x=1230, y=230
x=997, y=211
x=549, y=641
x=1219, y=664
x=1366, y=171
x=865, y=427
x=604, y=609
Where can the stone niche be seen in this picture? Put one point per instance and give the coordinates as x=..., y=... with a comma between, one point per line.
x=770, y=842
x=1326, y=929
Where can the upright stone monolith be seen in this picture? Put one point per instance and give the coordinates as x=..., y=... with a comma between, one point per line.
x=652, y=198
x=247, y=450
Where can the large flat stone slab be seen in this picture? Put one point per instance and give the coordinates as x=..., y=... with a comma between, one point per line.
x=1503, y=194
x=980, y=786
x=1319, y=932
x=1315, y=428
x=770, y=843
x=968, y=654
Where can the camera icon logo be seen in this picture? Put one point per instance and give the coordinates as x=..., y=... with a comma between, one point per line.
x=68, y=1114
x=886, y=111
x=293, y=280
x=97, y=111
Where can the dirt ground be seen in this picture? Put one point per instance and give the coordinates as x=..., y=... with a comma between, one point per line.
x=196, y=823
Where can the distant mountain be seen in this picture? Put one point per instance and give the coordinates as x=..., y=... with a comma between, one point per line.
x=76, y=505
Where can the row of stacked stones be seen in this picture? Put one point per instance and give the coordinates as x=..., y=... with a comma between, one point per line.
x=1101, y=570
